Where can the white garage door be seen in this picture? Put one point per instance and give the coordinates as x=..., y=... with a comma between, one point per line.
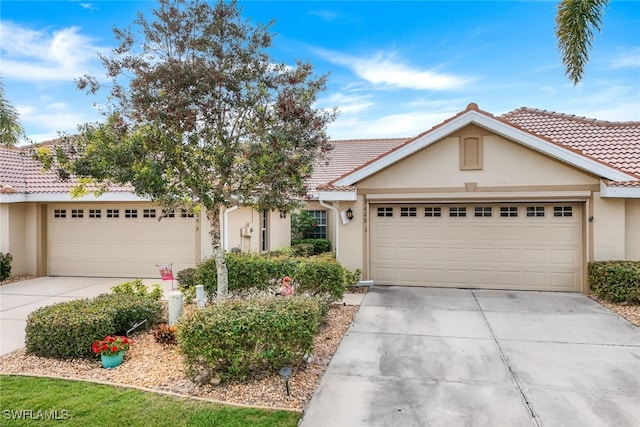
x=118, y=240
x=530, y=246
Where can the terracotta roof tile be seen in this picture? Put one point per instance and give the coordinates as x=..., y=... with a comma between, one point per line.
x=614, y=143
x=25, y=175
x=348, y=155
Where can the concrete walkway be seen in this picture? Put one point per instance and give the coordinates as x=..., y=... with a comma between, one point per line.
x=450, y=357
x=19, y=299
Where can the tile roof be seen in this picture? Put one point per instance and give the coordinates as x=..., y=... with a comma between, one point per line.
x=348, y=155
x=614, y=143
x=20, y=172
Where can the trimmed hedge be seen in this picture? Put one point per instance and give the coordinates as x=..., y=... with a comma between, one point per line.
x=5, y=265
x=615, y=281
x=243, y=339
x=320, y=246
x=67, y=329
x=321, y=276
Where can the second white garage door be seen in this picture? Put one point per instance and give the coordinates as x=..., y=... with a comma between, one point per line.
x=118, y=240
x=530, y=246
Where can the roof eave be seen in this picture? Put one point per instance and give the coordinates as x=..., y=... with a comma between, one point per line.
x=337, y=196
x=619, y=192
x=66, y=197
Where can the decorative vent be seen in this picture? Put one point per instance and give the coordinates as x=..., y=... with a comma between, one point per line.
x=471, y=152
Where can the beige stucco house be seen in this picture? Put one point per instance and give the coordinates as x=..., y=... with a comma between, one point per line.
x=520, y=201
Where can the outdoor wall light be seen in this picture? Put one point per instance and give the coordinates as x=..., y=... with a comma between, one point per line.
x=349, y=214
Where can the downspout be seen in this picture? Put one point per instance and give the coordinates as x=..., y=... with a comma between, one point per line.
x=225, y=215
x=336, y=220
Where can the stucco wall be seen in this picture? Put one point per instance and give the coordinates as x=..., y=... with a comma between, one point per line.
x=506, y=164
x=17, y=243
x=351, y=235
x=608, y=228
x=632, y=235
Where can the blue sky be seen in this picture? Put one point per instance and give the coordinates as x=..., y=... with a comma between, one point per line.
x=397, y=68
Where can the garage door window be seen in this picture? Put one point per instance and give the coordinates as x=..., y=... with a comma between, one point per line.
x=385, y=212
x=95, y=213
x=113, y=213
x=533, y=211
x=405, y=211
x=483, y=211
x=457, y=212
x=509, y=211
x=562, y=211
x=433, y=211
x=149, y=213
x=77, y=213
x=131, y=213
x=60, y=213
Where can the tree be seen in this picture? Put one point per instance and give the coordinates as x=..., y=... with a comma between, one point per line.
x=11, y=131
x=575, y=24
x=207, y=118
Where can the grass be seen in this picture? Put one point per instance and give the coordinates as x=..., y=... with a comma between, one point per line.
x=77, y=403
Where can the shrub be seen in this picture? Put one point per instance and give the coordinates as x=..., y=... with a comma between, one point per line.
x=243, y=339
x=321, y=276
x=615, y=281
x=67, y=329
x=187, y=277
x=128, y=310
x=5, y=265
x=320, y=246
x=136, y=287
x=302, y=249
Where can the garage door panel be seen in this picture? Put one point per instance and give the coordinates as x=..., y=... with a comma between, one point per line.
x=517, y=252
x=118, y=247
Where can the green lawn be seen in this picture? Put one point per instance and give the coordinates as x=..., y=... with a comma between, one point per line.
x=76, y=403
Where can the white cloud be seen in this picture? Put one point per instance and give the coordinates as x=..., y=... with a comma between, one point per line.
x=57, y=116
x=62, y=55
x=385, y=70
x=346, y=104
x=628, y=59
x=324, y=14
x=391, y=126
x=89, y=6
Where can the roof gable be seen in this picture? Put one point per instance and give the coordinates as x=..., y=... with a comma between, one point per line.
x=472, y=115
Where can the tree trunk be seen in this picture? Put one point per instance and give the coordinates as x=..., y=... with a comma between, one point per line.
x=213, y=215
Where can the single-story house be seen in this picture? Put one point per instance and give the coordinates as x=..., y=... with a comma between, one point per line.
x=518, y=201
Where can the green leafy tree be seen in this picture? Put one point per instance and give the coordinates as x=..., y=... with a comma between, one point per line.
x=575, y=24
x=200, y=115
x=11, y=131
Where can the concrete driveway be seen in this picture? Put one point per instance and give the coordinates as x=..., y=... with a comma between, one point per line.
x=19, y=299
x=453, y=357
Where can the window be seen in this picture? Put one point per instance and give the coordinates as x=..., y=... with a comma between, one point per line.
x=169, y=213
x=77, y=213
x=113, y=213
x=60, y=213
x=264, y=221
x=535, y=211
x=185, y=214
x=483, y=211
x=408, y=211
x=320, y=230
x=457, y=212
x=471, y=152
x=149, y=213
x=509, y=211
x=131, y=213
x=95, y=213
x=562, y=211
x=385, y=211
x=428, y=211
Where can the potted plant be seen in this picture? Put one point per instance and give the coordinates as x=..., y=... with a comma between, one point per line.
x=111, y=350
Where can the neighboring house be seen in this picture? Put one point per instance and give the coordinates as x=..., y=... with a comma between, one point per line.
x=520, y=201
